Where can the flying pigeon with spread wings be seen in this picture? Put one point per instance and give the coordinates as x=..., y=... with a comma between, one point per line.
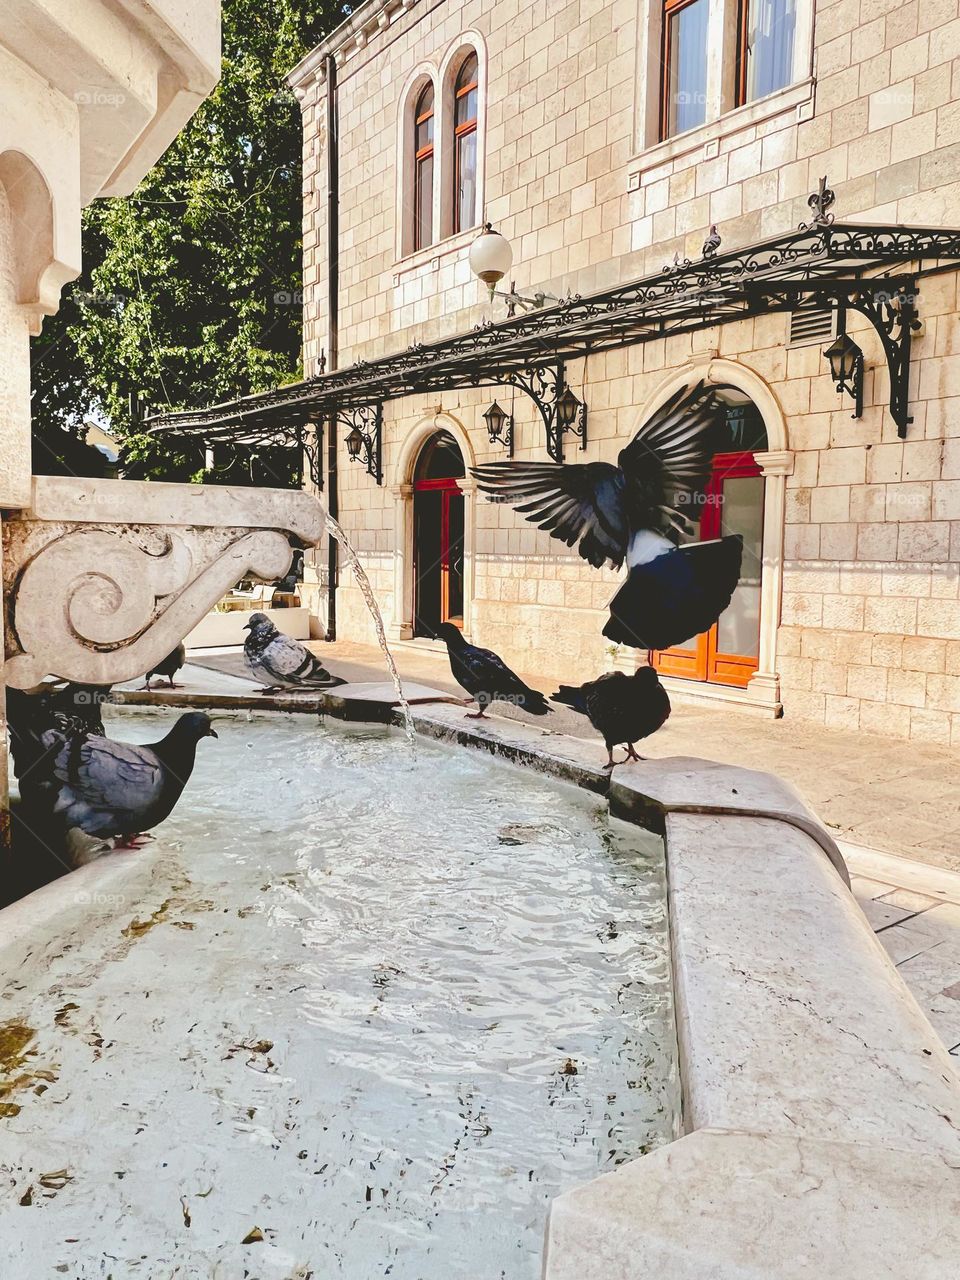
x=637, y=512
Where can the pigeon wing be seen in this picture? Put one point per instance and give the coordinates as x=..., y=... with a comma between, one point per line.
x=667, y=464
x=287, y=661
x=579, y=503
x=491, y=673
x=115, y=778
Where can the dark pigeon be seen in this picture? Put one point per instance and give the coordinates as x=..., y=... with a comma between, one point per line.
x=623, y=709
x=280, y=662
x=168, y=666
x=486, y=677
x=117, y=789
x=637, y=512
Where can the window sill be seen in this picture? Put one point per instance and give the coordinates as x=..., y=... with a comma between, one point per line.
x=707, y=137
x=431, y=256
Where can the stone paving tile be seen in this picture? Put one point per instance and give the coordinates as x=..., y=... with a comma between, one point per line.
x=866, y=888
x=904, y=942
x=880, y=914
x=909, y=900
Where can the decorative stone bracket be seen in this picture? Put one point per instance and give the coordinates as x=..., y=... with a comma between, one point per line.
x=103, y=578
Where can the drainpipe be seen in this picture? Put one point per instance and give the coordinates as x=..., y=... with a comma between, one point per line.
x=333, y=329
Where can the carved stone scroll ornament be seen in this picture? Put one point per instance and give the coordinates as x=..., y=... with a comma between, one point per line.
x=97, y=601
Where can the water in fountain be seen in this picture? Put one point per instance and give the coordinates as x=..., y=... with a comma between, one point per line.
x=335, y=529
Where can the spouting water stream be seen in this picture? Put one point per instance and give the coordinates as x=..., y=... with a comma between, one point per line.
x=335, y=529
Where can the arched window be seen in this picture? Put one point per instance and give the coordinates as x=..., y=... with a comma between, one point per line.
x=423, y=169
x=465, y=145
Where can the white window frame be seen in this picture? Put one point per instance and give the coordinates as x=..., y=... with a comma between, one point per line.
x=443, y=77
x=722, y=115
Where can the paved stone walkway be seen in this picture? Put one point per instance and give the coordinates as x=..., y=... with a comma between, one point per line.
x=902, y=797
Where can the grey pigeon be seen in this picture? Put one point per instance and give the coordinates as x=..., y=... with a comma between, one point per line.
x=636, y=511
x=117, y=789
x=622, y=708
x=280, y=662
x=486, y=677
x=168, y=666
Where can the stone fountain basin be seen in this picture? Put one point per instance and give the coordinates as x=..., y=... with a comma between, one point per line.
x=820, y=1129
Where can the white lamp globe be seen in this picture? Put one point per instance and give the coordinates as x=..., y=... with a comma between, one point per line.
x=491, y=257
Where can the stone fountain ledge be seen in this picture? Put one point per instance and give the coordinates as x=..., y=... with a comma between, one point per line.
x=821, y=1113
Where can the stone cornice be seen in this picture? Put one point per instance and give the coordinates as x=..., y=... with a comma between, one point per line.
x=350, y=37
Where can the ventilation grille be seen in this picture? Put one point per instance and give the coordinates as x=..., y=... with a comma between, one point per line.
x=811, y=324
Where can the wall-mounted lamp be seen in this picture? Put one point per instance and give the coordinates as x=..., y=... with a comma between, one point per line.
x=366, y=446
x=568, y=409
x=500, y=427
x=846, y=368
x=491, y=257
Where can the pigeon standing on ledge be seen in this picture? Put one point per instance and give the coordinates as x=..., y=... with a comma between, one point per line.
x=623, y=709
x=486, y=677
x=168, y=666
x=636, y=511
x=118, y=789
x=280, y=662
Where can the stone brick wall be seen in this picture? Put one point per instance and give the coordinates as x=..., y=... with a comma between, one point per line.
x=870, y=633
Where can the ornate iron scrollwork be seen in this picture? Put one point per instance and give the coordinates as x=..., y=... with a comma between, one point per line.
x=820, y=202
x=893, y=313
x=561, y=411
x=365, y=438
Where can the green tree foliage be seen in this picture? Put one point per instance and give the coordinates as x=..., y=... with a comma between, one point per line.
x=191, y=289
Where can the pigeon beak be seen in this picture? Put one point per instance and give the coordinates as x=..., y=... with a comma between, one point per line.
x=212, y=733
x=248, y=626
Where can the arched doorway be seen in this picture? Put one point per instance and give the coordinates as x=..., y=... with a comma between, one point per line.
x=438, y=535
x=729, y=653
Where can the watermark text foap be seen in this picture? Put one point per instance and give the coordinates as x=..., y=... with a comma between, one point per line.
x=96, y=898
x=96, y=96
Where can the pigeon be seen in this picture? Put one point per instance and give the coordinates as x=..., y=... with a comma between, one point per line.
x=637, y=511
x=117, y=789
x=280, y=662
x=168, y=666
x=622, y=708
x=487, y=677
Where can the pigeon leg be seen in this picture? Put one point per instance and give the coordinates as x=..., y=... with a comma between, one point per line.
x=145, y=686
x=136, y=840
x=172, y=685
x=610, y=760
x=631, y=753
x=482, y=702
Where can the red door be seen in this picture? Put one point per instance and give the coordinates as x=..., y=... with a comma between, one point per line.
x=729, y=652
x=438, y=553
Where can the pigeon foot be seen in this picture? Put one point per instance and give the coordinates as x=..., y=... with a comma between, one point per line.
x=134, y=842
x=474, y=715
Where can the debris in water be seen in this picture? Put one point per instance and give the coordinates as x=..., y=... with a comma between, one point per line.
x=27, y=1198
x=55, y=1181
x=254, y=1236
x=186, y=1211
x=569, y=1068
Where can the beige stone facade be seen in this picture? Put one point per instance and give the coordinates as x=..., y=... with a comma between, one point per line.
x=860, y=617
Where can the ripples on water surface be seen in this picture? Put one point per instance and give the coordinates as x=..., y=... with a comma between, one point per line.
x=382, y=1010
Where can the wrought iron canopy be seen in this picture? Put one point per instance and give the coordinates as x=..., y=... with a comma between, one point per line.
x=867, y=268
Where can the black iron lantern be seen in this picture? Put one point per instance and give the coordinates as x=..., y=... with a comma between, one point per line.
x=354, y=443
x=499, y=427
x=362, y=445
x=568, y=409
x=846, y=368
